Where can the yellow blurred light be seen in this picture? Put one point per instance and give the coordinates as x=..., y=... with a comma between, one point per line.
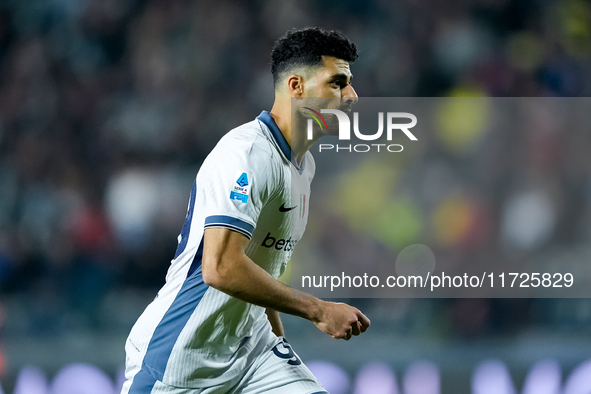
x=575, y=18
x=462, y=121
x=365, y=198
x=362, y=195
x=399, y=225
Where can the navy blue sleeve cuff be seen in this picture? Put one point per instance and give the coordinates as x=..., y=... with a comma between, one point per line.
x=230, y=223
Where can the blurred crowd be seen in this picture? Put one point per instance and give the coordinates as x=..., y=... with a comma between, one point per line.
x=108, y=107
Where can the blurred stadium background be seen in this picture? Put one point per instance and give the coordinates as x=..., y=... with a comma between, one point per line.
x=108, y=107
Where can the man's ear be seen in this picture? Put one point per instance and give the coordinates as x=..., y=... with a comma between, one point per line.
x=295, y=85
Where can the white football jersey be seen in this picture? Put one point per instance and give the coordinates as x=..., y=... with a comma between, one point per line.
x=193, y=335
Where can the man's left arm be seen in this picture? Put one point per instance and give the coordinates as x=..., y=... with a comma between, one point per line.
x=275, y=320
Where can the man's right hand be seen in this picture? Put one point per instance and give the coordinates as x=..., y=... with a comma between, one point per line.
x=341, y=321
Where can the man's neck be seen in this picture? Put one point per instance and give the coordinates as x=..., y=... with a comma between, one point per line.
x=298, y=143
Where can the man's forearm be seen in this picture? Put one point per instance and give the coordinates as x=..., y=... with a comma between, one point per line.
x=244, y=279
x=227, y=268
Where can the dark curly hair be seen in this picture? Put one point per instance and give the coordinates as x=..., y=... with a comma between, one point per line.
x=305, y=47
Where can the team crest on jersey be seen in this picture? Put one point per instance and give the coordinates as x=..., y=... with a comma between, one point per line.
x=241, y=188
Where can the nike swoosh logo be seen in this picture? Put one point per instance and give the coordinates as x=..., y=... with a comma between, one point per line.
x=283, y=208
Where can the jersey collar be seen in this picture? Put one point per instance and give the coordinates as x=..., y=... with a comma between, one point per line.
x=268, y=120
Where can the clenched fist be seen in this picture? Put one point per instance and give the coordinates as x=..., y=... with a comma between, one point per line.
x=341, y=321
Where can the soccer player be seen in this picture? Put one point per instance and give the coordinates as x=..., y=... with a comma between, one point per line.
x=214, y=327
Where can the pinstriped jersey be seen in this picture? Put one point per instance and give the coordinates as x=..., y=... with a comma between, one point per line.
x=193, y=335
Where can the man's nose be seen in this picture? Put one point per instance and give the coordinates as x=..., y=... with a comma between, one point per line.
x=350, y=95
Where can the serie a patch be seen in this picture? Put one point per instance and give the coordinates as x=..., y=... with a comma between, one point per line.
x=241, y=188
